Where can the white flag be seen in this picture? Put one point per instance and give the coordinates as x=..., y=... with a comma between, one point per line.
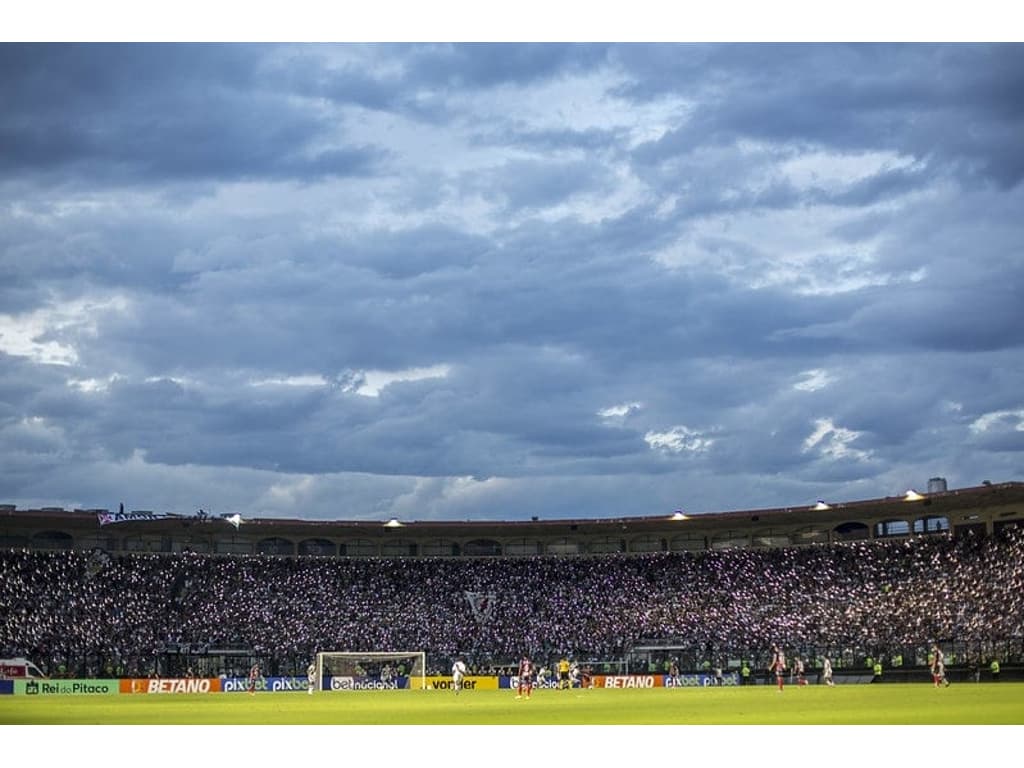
x=482, y=605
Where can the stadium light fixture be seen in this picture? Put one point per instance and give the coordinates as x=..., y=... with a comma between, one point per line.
x=393, y=523
x=678, y=515
x=913, y=495
x=821, y=506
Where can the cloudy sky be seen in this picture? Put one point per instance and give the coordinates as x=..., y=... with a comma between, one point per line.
x=366, y=281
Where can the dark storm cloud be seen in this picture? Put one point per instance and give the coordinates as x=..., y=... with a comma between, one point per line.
x=36, y=260
x=412, y=252
x=877, y=188
x=412, y=280
x=125, y=112
x=536, y=185
x=590, y=140
x=964, y=100
x=480, y=65
x=951, y=319
x=309, y=71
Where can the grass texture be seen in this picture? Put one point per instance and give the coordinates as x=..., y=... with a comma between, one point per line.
x=889, y=704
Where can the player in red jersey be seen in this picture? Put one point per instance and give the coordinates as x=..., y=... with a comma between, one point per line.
x=778, y=666
x=938, y=664
x=525, y=677
x=254, y=673
x=801, y=678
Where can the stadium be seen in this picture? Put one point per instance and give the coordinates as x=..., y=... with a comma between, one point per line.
x=520, y=368
x=146, y=602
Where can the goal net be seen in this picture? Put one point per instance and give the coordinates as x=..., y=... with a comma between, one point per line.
x=351, y=670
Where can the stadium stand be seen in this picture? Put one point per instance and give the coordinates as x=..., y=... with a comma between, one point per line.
x=96, y=613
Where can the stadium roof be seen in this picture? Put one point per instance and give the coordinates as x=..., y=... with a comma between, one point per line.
x=957, y=504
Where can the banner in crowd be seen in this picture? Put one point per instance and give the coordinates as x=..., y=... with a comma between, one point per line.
x=482, y=605
x=108, y=518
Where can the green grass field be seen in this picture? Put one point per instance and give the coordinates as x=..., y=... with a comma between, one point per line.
x=894, y=704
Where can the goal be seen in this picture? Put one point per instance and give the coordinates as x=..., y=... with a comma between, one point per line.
x=371, y=667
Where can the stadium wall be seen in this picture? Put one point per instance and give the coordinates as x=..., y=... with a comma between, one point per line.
x=983, y=509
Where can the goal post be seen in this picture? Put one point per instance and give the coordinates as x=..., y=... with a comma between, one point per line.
x=372, y=664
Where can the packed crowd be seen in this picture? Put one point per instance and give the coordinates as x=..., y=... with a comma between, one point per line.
x=58, y=606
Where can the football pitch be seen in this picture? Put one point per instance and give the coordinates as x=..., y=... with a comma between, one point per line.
x=893, y=704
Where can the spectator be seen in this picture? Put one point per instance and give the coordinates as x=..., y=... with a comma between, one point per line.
x=69, y=609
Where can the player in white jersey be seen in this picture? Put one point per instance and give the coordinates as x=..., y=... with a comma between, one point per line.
x=458, y=675
x=311, y=677
x=826, y=671
x=542, y=676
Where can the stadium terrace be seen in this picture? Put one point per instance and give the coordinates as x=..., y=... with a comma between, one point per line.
x=91, y=594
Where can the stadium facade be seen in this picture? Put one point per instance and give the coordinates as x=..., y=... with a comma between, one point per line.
x=982, y=510
x=144, y=593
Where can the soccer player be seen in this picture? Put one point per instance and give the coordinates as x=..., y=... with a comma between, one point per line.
x=311, y=677
x=673, y=672
x=563, y=673
x=939, y=667
x=778, y=666
x=525, y=677
x=542, y=676
x=587, y=677
x=458, y=673
x=798, y=666
x=254, y=673
x=826, y=671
